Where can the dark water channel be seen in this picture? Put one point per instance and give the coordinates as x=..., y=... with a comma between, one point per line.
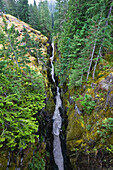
x=57, y=124
x=59, y=141
x=53, y=134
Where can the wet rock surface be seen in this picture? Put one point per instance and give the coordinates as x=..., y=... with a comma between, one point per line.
x=98, y=161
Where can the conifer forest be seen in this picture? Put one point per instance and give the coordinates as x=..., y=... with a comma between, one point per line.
x=56, y=85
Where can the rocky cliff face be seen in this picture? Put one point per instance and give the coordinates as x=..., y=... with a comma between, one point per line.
x=90, y=119
x=90, y=131
x=37, y=36
x=20, y=25
x=37, y=151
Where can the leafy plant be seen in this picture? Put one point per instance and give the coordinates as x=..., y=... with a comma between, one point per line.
x=38, y=161
x=22, y=93
x=110, y=148
x=88, y=127
x=105, y=128
x=87, y=103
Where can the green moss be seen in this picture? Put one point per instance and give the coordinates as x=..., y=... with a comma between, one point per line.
x=82, y=131
x=4, y=160
x=74, y=133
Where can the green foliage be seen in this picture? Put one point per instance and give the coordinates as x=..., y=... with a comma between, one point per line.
x=84, y=25
x=21, y=99
x=110, y=148
x=13, y=48
x=87, y=103
x=12, y=8
x=38, y=162
x=88, y=127
x=8, y=6
x=22, y=93
x=22, y=10
x=60, y=15
x=45, y=22
x=17, y=8
x=2, y=5
x=33, y=47
x=40, y=18
x=105, y=129
x=34, y=16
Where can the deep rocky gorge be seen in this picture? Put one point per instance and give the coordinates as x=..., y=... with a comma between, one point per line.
x=35, y=155
x=89, y=110
x=86, y=138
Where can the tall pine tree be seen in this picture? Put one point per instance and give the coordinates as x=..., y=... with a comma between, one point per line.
x=23, y=8
x=86, y=32
x=45, y=21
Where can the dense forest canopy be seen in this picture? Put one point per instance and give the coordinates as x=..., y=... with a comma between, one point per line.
x=39, y=17
x=84, y=34
x=22, y=91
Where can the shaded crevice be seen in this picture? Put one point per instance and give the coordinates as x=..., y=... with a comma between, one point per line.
x=53, y=85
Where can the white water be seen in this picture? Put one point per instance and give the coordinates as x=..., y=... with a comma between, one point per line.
x=57, y=123
x=51, y=59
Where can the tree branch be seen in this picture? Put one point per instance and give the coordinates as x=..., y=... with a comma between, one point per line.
x=13, y=50
x=110, y=10
x=92, y=53
x=91, y=61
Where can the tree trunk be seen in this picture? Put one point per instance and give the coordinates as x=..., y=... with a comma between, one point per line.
x=100, y=49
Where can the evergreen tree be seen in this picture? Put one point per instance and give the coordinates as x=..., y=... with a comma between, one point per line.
x=40, y=18
x=21, y=92
x=51, y=6
x=45, y=22
x=1, y=5
x=12, y=9
x=23, y=8
x=60, y=14
x=103, y=32
x=34, y=16
x=87, y=31
x=34, y=45
x=4, y=6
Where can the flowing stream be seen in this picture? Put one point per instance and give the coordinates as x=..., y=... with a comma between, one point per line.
x=57, y=124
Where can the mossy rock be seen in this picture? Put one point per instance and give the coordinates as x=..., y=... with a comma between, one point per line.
x=74, y=134
x=3, y=160
x=82, y=130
